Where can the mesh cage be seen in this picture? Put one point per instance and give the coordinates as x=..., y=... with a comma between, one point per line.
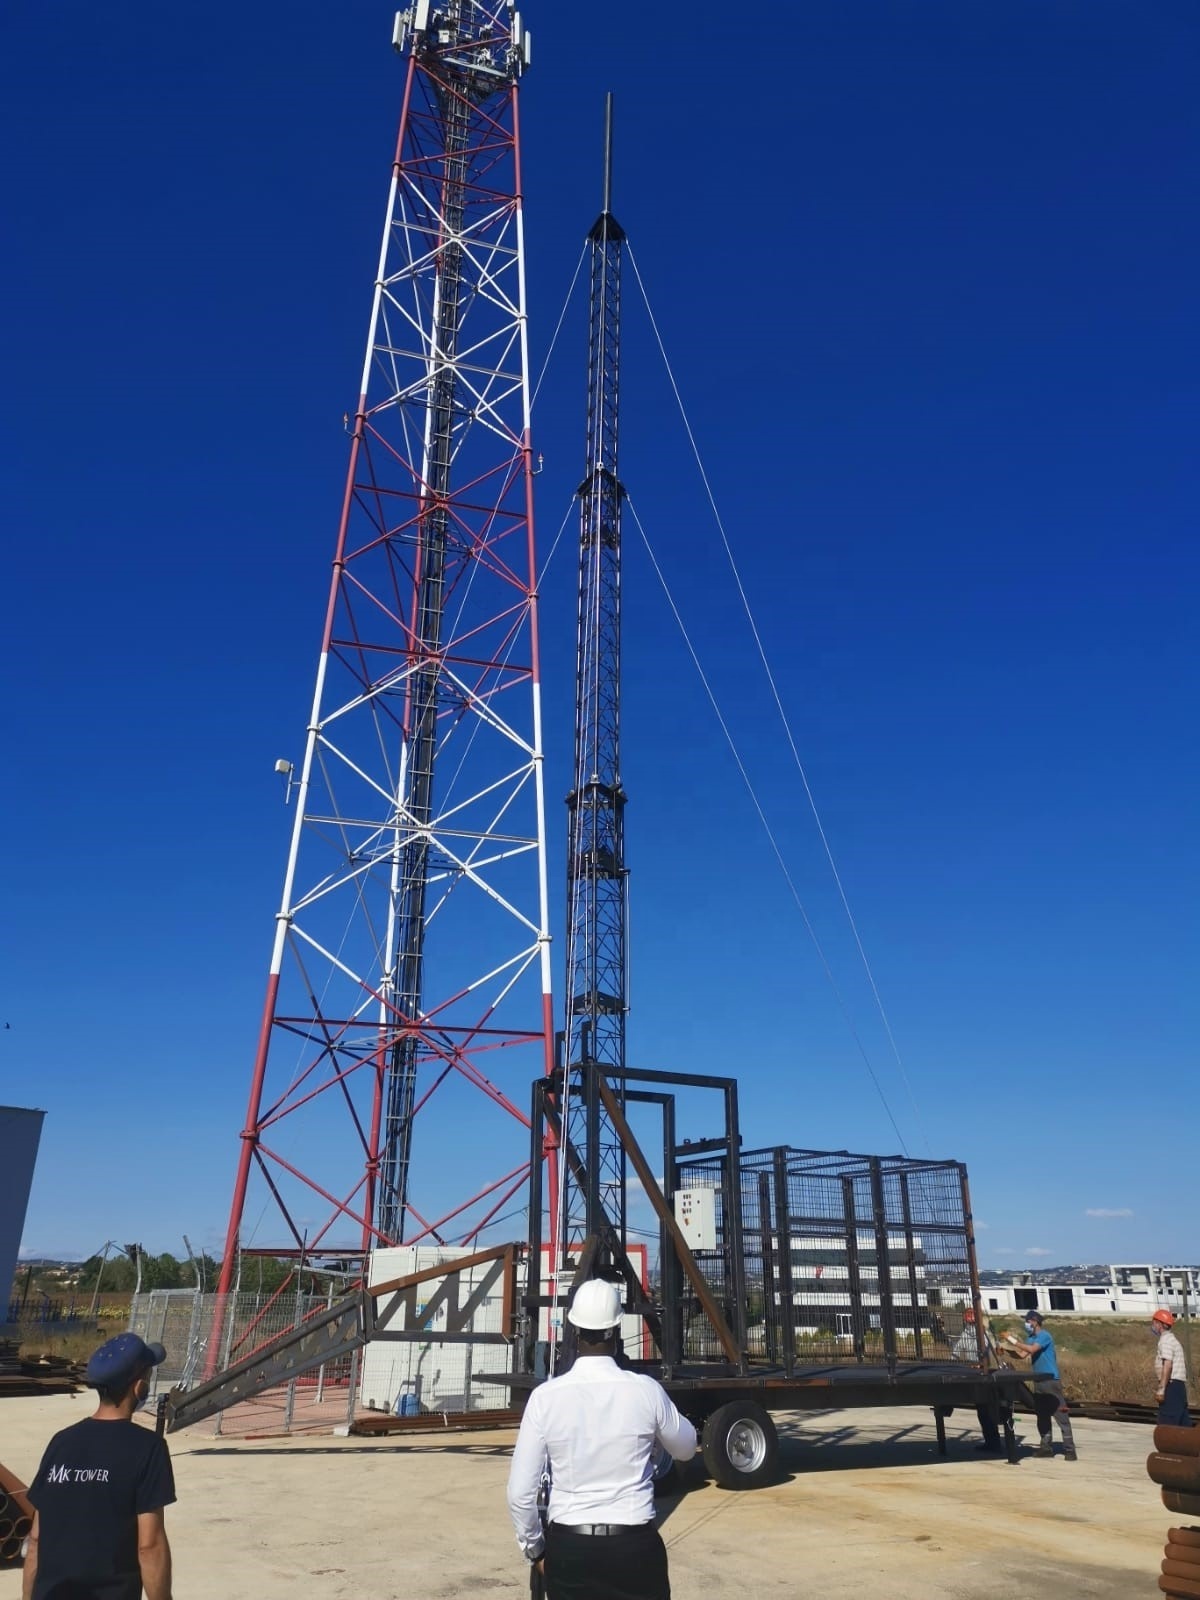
x=846, y=1258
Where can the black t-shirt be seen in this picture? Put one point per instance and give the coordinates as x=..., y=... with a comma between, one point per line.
x=94, y=1480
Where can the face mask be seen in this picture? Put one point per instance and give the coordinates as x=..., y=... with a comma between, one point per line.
x=1030, y=1327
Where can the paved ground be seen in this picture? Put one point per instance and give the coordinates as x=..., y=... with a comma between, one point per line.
x=867, y=1507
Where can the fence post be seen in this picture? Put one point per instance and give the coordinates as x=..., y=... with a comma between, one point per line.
x=321, y=1371
x=193, y=1337
x=289, y=1409
x=352, y=1391
x=1187, y=1330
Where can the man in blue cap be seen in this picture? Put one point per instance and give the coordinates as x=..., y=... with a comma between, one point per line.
x=99, y=1494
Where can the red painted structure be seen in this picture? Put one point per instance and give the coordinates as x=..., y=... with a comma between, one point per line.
x=408, y=1000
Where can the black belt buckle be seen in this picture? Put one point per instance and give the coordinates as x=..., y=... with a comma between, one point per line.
x=600, y=1530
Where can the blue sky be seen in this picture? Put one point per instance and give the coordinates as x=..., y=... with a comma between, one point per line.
x=928, y=280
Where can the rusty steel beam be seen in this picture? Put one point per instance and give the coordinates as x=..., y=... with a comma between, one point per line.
x=336, y=1331
x=667, y=1217
x=608, y=1235
x=443, y=1269
x=435, y=1422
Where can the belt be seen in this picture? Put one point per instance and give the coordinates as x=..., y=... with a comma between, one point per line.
x=601, y=1530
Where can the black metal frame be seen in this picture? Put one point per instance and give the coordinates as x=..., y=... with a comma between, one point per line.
x=892, y=1255
x=903, y=1229
x=666, y=1321
x=711, y=1295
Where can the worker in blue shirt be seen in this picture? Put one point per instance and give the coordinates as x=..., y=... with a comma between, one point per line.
x=1049, y=1399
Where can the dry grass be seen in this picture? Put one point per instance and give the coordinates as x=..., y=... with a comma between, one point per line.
x=1099, y=1360
x=1111, y=1359
x=72, y=1341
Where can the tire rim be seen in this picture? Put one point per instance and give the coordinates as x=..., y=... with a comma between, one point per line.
x=746, y=1445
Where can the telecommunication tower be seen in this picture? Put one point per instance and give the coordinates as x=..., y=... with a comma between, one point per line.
x=597, y=880
x=408, y=998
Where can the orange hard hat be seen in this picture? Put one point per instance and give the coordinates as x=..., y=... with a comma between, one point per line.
x=1164, y=1316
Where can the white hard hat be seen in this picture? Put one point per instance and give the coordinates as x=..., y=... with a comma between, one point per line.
x=596, y=1306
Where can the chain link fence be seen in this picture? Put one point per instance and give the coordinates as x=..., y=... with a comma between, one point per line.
x=205, y=1333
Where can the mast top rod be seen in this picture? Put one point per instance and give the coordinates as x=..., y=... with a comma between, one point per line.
x=608, y=146
x=606, y=228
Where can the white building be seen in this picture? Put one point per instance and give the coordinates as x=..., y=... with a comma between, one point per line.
x=821, y=1273
x=1131, y=1291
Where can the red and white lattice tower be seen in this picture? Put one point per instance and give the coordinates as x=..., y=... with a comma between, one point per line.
x=408, y=1003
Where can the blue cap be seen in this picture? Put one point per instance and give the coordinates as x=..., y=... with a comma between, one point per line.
x=117, y=1363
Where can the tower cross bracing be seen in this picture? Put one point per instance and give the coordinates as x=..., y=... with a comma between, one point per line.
x=597, y=881
x=408, y=997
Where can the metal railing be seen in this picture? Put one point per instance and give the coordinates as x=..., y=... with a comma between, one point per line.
x=203, y=1332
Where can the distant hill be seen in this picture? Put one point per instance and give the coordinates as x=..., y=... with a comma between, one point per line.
x=1086, y=1273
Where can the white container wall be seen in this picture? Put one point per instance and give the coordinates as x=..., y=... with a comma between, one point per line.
x=432, y=1374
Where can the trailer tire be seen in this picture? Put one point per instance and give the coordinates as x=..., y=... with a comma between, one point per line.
x=1185, y=1539
x=1184, y=1504
x=740, y=1445
x=664, y=1471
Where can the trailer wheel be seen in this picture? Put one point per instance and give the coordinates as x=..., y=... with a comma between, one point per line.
x=740, y=1445
x=664, y=1471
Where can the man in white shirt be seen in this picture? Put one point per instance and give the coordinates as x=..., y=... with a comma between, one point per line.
x=966, y=1348
x=597, y=1428
x=1170, y=1373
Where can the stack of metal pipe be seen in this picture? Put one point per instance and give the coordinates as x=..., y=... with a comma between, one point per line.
x=1175, y=1467
x=16, y=1517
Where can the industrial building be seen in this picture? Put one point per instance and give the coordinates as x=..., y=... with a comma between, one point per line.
x=1131, y=1291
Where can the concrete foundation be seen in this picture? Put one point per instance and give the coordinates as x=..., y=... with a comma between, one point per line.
x=867, y=1507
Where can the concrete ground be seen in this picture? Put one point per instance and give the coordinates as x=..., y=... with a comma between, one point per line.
x=866, y=1507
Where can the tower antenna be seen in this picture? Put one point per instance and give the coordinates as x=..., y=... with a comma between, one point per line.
x=597, y=881
x=408, y=995
x=608, y=149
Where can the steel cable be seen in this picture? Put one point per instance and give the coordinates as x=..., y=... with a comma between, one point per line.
x=762, y=817
x=783, y=717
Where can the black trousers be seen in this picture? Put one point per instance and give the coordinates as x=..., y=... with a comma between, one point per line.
x=989, y=1426
x=616, y=1566
x=1174, y=1407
